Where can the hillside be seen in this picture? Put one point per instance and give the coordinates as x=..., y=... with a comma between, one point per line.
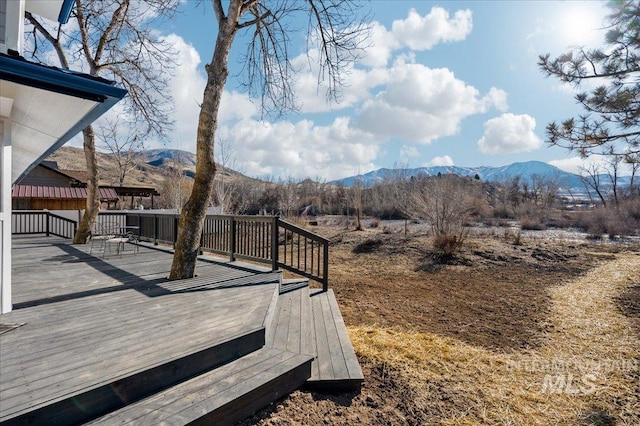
x=151, y=166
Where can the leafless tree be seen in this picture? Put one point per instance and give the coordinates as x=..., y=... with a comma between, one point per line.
x=545, y=191
x=114, y=39
x=356, y=200
x=613, y=164
x=633, y=162
x=288, y=198
x=335, y=33
x=402, y=192
x=175, y=188
x=124, y=144
x=591, y=180
x=224, y=187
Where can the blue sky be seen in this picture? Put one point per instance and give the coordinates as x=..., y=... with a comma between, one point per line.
x=444, y=83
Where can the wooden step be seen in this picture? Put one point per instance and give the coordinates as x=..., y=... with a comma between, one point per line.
x=222, y=396
x=292, y=328
x=309, y=322
x=102, y=398
x=336, y=367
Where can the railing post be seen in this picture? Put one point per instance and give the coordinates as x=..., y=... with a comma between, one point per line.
x=155, y=229
x=325, y=267
x=232, y=241
x=175, y=230
x=47, y=222
x=274, y=244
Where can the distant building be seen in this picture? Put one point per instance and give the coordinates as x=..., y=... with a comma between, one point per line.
x=48, y=187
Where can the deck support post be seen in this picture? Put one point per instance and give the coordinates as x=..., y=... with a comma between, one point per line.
x=232, y=239
x=155, y=229
x=325, y=268
x=5, y=217
x=274, y=244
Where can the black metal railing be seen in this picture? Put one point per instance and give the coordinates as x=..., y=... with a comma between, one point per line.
x=303, y=252
x=264, y=239
x=24, y=222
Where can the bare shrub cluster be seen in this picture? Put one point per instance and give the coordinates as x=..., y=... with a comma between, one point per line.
x=448, y=203
x=622, y=221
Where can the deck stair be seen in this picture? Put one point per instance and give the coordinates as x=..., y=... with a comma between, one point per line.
x=296, y=338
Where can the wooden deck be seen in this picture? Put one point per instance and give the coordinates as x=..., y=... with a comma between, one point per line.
x=111, y=339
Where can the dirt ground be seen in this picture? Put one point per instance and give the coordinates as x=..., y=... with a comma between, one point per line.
x=495, y=296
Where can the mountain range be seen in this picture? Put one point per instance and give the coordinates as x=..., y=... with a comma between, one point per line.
x=151, y=164
x=527, y=171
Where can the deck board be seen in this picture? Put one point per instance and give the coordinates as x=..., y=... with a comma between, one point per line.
x=91, y=320
x=336, y=366
x=219, y=392
x=95, y=324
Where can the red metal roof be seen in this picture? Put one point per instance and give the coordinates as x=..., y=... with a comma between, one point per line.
x=58, y=192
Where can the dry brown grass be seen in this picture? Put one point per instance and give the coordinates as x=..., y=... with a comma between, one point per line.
x=588, y=338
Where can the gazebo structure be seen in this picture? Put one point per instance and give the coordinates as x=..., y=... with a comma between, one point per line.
x=41, y=108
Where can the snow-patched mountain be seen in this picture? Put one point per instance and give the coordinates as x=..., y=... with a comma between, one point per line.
x=158, y=157
x=526, y=171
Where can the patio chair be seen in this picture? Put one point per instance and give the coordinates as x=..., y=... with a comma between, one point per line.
x=119, y=241
x=100, y=235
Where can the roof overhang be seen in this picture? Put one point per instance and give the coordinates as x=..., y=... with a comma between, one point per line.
x=59, y=193
x=48, y=106
x=55, y=10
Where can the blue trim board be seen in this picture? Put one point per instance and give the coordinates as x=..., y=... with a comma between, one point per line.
x=84, y=86
x=65, y=11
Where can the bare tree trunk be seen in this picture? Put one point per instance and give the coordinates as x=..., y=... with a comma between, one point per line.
x=93, y=193
x=194, y=211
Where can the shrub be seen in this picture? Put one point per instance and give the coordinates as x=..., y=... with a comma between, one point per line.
x=501, y=212
x=447, y=245
x=367, y=246
x=388, y=230
x=564, y=221
x=532, y=224
x=517, y=239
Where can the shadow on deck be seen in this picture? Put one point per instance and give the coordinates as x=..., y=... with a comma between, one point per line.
x=113, y=341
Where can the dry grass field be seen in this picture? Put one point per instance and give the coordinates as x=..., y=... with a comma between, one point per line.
x=513, y=331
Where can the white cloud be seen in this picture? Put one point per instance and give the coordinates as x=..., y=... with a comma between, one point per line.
x=423, y=32
x=421, y=104
x=509, y=133
x=186, y=86
x=380, y=44
x=577, y=165
x=187, y=89
x=236, y=106
x=408, y=152
x=445, y=160
x=301, y=149
x=417, y=33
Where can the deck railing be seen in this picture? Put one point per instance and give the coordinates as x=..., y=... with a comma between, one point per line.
x=25, y=222
x=264, y=239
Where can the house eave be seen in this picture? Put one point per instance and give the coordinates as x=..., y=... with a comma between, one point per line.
x=56, y=87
